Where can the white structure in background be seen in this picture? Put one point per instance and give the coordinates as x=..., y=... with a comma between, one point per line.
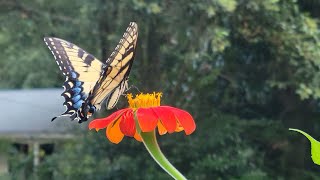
x=25, y=121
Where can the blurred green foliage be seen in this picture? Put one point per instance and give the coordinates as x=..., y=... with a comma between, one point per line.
x=246, y=70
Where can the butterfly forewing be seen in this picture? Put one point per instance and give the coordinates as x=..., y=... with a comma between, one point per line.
x=118, y=68
x=80, y=68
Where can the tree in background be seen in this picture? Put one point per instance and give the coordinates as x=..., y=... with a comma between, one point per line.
x=247, y=70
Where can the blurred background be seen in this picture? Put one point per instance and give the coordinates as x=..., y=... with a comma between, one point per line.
x=246, y=70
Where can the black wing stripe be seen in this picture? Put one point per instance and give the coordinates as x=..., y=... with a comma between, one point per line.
x=106, y=84
x=80, y=53
x=63, y=51
x=123, y=67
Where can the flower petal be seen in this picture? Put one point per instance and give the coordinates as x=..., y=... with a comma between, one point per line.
x=104, y=122
x=161, y=129
x=179, y=127
x=147, y=119
x=184, y=118
x=167, y=118
x=127, y=124
x=113, y=132
x=137, y=136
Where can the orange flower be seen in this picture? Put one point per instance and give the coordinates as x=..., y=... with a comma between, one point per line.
x=145, y=111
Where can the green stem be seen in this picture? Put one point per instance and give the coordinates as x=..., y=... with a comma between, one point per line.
x=150, y=142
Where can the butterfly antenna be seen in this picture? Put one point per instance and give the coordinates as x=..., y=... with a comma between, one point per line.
x=133, y=87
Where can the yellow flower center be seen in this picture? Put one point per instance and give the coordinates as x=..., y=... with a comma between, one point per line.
x=144, y=100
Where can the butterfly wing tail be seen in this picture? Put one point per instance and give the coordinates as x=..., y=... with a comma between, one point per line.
x=72, y=116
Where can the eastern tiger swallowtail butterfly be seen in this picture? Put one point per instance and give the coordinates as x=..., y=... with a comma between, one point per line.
x=89, y=82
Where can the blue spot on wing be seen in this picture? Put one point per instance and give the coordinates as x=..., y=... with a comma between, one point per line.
x=76, y=90
x=78, y=83
x=73, y=75
x=84, y=96
x=78, y=104
x=76, y=98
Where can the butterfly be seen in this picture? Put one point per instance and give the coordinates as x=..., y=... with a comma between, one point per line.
x=89, y=81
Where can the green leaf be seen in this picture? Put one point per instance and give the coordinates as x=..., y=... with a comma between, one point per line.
x=315, y=146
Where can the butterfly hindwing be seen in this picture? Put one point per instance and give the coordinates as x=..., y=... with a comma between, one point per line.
x=80, y=68
x=73, y=95
x=114, y=96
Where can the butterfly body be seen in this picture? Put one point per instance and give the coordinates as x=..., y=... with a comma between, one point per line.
x=89, y=82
